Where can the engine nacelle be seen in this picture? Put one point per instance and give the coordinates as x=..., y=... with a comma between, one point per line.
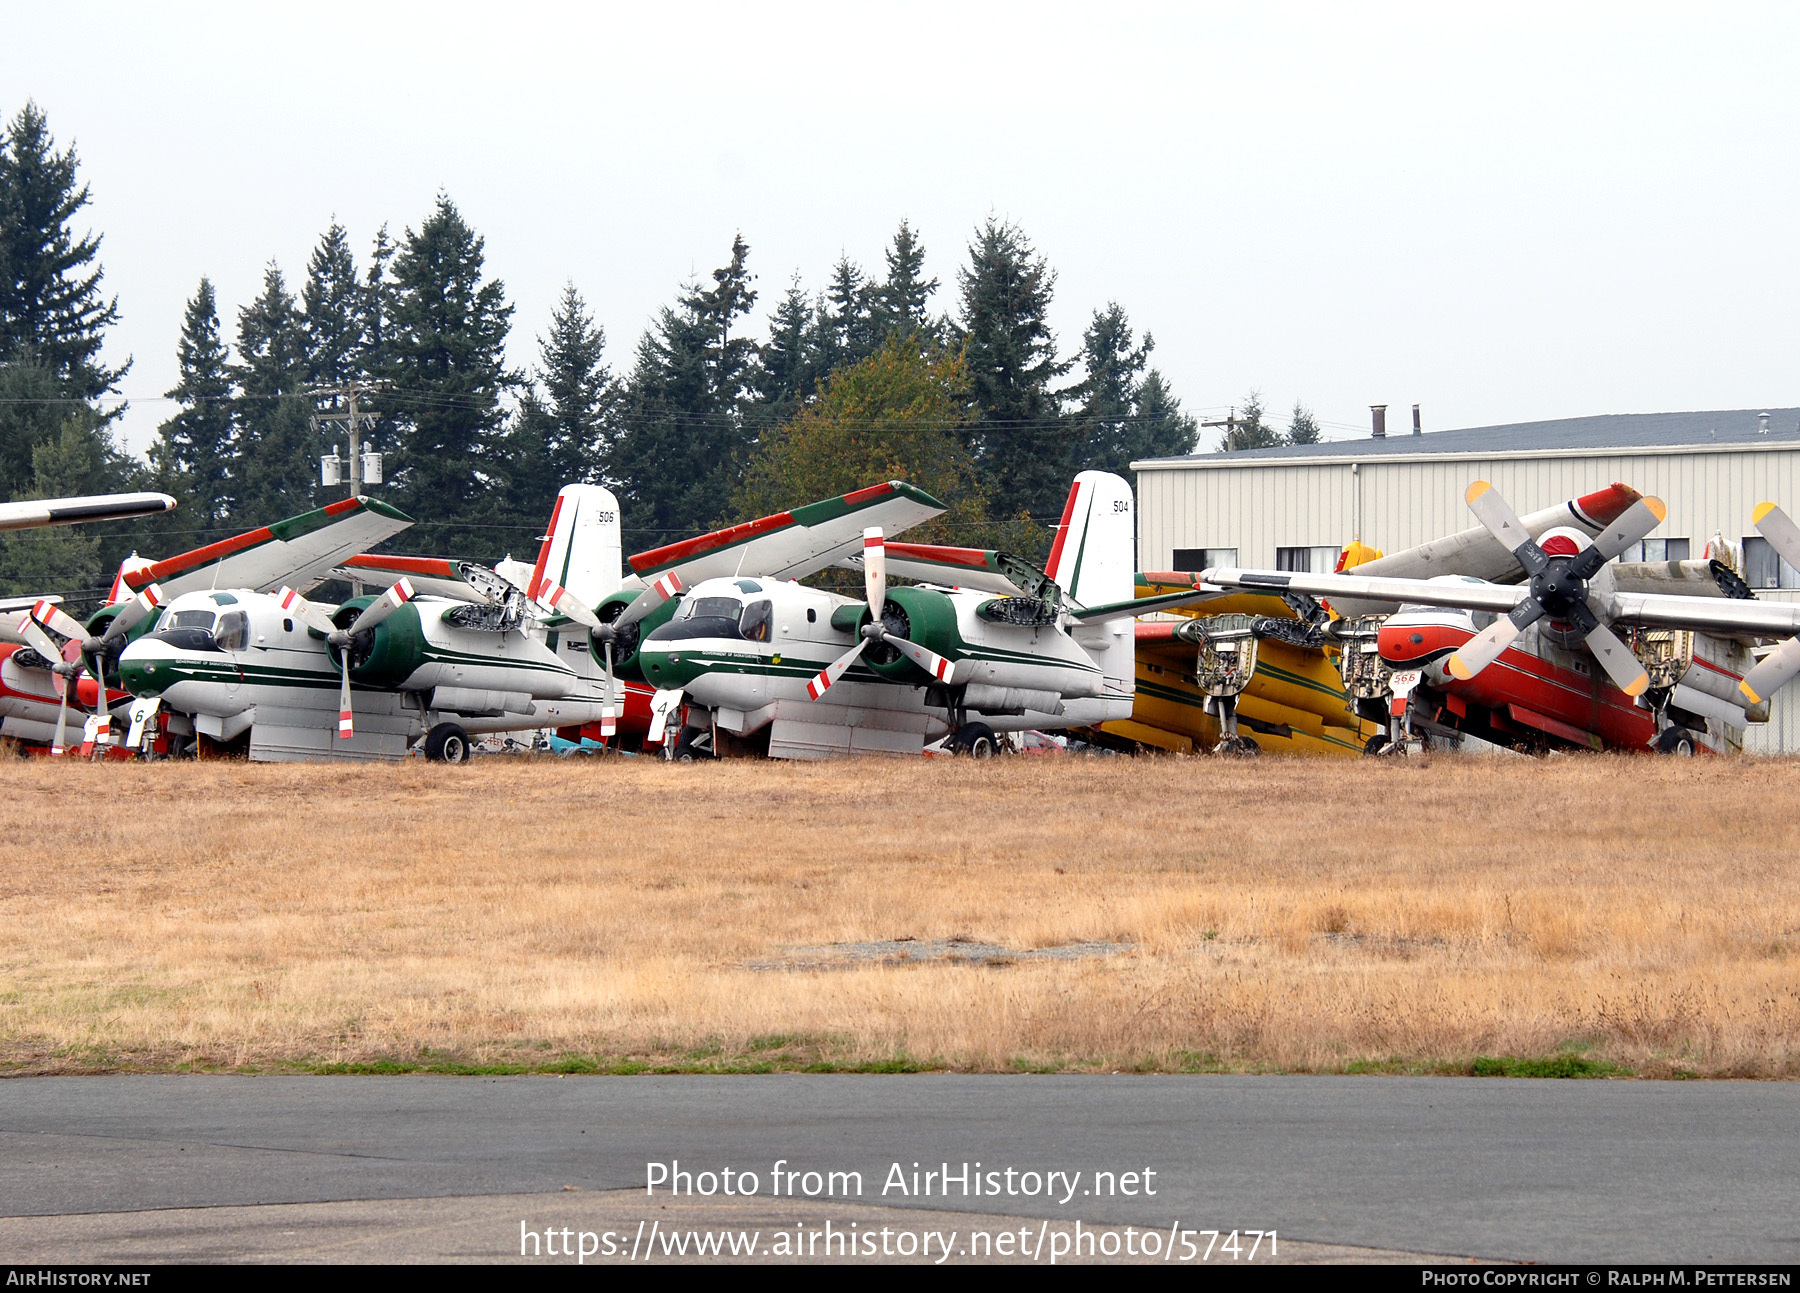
x=625, y=647
x=921, y=615
x=390, y=653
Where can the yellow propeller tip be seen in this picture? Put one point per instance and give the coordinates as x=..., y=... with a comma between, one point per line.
x=1458, y=669
x=1639, y=685
x=1476, y=490
x=1658, y=509
x=1745, y=688
x=1762, y=510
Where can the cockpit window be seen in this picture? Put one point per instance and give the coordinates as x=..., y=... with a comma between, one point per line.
x=190, y=620
x=757, y=622
x=234, y=631
x=714, y=608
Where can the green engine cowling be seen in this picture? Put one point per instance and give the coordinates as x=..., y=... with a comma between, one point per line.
x=389, y=654
x=925, y=616
x=625, y=649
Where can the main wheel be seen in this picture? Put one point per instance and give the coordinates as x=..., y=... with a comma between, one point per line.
x=447, y=743
x=1376, y=744
x=1677, y=741
x=681, y=749
x=976, y=740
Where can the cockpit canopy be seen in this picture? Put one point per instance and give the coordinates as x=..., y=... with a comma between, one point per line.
x=747, y=616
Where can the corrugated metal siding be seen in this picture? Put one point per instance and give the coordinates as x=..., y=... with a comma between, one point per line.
x=1266, y=504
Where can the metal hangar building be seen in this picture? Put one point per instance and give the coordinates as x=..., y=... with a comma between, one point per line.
x=1294, y=507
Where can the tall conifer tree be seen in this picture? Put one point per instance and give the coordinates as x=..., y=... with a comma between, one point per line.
x=899, y=302
x=194, y=449
x=1023, y=446
x=683, y=438
x=333, y=305
x=445, y=356
x=558, y=437
x=277, y=462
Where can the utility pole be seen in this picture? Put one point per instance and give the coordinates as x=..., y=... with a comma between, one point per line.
x=364, y=462
x=1230, y=424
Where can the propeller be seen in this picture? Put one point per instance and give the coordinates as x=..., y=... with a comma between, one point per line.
x=372, y=614
x=1783, y=662
x=64, y=662
x=561, y=600
x=875, y=587
x=1558, y=587
x=98, y=651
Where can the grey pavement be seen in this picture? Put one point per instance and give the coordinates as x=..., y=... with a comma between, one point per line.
x=1564, y=1171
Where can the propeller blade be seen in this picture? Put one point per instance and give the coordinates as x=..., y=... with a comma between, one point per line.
x=42, y=643
x=308, y=613
x=875, y=571
x=1614, y=656
x=134, y=613
x=564, y=602
x=346, y=721
x=1779, y=529
x=58, y=621
x=1772, y=670
x=379, y=609
x=1486, y=646
x=835, y=670
x=1632, y=525
x=609, y=720
x=659, y=592
x=1503, y=523
x=61, y=744
x=930, y=661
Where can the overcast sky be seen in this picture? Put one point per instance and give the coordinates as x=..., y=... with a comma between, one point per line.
x=1501, y=212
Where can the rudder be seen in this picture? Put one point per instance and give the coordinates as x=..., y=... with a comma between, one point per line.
x=583, y=551
x=1094, y=555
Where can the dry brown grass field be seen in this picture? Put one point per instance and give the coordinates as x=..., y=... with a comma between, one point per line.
x=1575, y=915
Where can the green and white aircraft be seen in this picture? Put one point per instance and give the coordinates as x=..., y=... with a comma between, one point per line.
x=752, y=662
x=244, y=653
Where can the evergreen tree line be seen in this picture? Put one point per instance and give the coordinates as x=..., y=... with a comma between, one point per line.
x=707, y=424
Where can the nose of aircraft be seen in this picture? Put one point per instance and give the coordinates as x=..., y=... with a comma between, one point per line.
x=147, y=667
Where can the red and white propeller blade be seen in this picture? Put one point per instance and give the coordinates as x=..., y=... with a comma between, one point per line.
x=564, y=602
x=875, y=571
x=930, y=661
x=829, y=675
x=382, y=607
x=346, y=719
x=58, y=621
x=669, y=585
x=308, y=613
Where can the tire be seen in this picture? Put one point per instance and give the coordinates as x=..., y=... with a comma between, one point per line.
x=1376, y=744
x=681, y=749
x=447, y=743
x=979, y=742
x=1677, y=741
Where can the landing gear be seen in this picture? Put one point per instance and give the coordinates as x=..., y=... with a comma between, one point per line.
x=1676, y=740
x=1224, y=708
x=977, y=740
x=447, y=743
x=693, y=743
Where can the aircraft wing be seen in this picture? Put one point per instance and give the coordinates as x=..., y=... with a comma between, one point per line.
x=791, y=545
x=93, y=507
x=433, y=576
x=1499, y=598
x=1144, y=605
x=1477, y=553
x=298, y=552
x=1720, y=615
x=931, y=563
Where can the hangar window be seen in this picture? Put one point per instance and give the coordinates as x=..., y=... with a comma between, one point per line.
x=1764, y=567
x=1315, y=560
x=1204, y=558
x=1656, y=550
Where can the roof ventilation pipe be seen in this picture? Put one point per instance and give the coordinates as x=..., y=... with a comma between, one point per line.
x=1762, y=424
x=1378, y=412
x=1416, y=428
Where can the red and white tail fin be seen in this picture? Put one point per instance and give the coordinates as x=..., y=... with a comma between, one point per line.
x=122, y=591
x=1095, y=550
x=582, y=551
